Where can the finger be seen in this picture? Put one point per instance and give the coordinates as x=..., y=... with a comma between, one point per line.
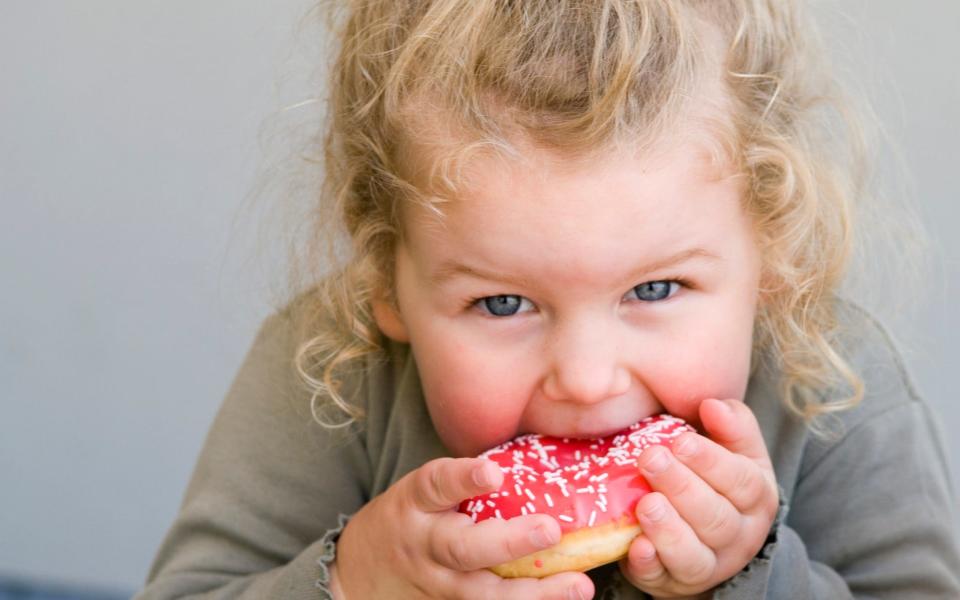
x=443, y=483
x=742, y=481
x=462, y=545
x=679, y=550
x=713, y=517
x=733, y=425
x=484, y=585
x=642, y=567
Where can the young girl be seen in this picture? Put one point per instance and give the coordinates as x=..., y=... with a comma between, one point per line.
x=566, y=216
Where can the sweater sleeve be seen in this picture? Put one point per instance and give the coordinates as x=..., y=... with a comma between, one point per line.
x=269, y=492
x=872, y=517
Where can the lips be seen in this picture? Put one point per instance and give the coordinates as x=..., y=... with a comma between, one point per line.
x=585, y=432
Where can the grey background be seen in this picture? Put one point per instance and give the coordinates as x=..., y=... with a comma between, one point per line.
x=134, y=278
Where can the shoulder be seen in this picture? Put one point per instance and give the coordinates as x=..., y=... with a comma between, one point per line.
x=284, y=368
x=891, y=408
x=380, y=380
x=874, y=355
x=874, y=496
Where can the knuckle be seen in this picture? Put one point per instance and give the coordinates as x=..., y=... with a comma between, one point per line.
x=682, y=486
x=707, y=459
x=654, y=577
x=513, y=547
x=746, y=480
x=458, y=553
x=700, y=572
x=430, y=482
x=719, y=522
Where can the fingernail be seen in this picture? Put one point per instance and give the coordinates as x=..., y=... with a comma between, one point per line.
x=575, y=593
x=686, y=446
x=541, y=538
x=655, y=512
x=658, y=463
x=482, y=477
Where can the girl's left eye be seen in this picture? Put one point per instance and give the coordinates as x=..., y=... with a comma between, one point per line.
x=653, y=291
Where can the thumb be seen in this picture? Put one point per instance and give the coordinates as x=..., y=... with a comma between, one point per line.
x=732, y=424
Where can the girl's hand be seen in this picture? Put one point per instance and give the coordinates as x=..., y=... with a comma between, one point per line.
x=714, y=502
x=409, y=542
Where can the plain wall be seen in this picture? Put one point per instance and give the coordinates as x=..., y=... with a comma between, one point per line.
x=128, y=146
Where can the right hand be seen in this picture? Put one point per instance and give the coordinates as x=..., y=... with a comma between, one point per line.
x=409, y=542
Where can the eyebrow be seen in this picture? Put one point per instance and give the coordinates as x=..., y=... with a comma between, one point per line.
x=451, y=269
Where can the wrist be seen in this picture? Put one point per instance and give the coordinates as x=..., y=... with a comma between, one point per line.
x=335, y=589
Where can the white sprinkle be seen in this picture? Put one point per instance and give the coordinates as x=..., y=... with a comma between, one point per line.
x=530, y=494
x=474, y=517
x=599, y=477
x=517, y=488
x=578, y=456
x=548, y=499
x=586, y=490
x=565, y=518
x=593, y=517
x=495, y=495
x=531, y=507
x=490, y=503
x=497, y=512
x=565, y=492
x=523, y=510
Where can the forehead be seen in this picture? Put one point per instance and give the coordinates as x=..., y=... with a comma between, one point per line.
x=546, y=215
x=481, y=176
x=451, y=168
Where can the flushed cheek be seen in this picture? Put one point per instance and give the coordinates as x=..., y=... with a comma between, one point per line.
x=467, y=425
x=472, y=406
x=685, y=381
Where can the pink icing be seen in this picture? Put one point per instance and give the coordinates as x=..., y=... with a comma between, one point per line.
x=583, y=483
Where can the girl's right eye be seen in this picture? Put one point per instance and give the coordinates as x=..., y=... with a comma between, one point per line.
x=501, y=306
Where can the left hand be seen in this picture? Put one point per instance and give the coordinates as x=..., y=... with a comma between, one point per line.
x=713, y=503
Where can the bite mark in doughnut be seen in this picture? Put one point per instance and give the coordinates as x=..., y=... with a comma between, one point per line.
x=590, y=486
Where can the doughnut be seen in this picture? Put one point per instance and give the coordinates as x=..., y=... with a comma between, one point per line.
x=591, y=486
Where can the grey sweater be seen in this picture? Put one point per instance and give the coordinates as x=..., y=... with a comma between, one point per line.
x=866, y=513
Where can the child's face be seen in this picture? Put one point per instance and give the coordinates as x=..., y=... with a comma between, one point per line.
x=591, y=334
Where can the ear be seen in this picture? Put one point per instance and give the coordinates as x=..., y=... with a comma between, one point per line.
x=389, y=321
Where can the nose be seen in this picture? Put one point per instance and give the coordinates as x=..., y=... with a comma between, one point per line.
x=586, y=365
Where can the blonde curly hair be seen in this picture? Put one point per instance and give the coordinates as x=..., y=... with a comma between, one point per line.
x=580, y=77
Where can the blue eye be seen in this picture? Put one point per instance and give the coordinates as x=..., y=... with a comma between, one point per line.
x=652, y=291
x=502, y=306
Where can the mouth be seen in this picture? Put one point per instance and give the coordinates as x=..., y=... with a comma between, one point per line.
x=589, y=433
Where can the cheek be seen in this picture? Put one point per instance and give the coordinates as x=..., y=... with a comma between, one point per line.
x=711, y=363
x=474, y=403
